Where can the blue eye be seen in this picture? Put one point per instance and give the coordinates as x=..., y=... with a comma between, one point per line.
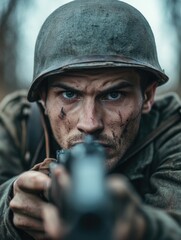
x=69, y=94
x=113, y=96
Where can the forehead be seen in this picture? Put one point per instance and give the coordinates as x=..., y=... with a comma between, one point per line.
x=99, y=76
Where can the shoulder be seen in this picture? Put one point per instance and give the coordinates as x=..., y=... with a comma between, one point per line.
x=167, y=108
x=167, y=105
x=168, y=145
x=14, y=104
x=163, y=125
x=164, y=108
x=14, y=111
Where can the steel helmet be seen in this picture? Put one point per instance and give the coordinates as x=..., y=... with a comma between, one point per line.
x=94, y=34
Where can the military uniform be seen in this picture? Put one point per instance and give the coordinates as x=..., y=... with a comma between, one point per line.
x=101, y=34
x=154, y=171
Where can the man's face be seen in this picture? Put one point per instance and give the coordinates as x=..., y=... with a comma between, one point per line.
x=106, y=104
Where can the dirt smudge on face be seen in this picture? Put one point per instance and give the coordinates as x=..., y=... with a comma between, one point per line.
x=128, y=126
x=132, y=118
x=68, y=127
x=62, y=114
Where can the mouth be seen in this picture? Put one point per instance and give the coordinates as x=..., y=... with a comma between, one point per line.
x=105, y=146
x=76, y=143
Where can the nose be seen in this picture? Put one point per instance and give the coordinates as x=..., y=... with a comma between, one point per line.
x=90, y=118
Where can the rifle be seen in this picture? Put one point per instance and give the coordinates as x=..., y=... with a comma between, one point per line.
x=87, y=208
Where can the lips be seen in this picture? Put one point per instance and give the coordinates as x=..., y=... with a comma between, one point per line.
x=108, y=149
x=74, y=144
x=106, y=146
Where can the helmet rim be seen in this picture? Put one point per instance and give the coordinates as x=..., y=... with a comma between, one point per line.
x=94, y=62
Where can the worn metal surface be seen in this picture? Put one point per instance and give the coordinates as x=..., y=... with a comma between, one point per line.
x=94, y=34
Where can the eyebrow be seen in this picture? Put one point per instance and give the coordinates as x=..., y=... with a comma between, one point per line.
x=120, y=85
x=64, y=86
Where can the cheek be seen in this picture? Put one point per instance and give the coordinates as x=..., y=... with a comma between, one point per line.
x=130, y=116
x=130, y=125
x=127, y=109
x=131, y=112
x=62, y=123
x=123, y=119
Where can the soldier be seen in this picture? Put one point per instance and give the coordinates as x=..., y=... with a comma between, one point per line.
x=95, y=73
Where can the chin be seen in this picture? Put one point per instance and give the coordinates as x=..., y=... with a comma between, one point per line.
x=111, y=163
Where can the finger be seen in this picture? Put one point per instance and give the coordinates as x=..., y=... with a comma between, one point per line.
x=26, y=204
x=122, y=230
x=120, y=186
x=38, y=235
x=133, y=228
x=27, y=223
x=60, y=182
x=62, y=176
x=118, y=183
x=53, y=224
x=32, y=181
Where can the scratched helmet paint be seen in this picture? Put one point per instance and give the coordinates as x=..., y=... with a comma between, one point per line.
x=94, y=34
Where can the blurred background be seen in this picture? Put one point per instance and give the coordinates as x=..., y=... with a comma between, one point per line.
x=20, y=21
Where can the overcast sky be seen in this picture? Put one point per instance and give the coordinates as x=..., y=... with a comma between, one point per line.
x=151, y=9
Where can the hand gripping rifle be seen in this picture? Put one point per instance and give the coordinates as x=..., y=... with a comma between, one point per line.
x=86, y=208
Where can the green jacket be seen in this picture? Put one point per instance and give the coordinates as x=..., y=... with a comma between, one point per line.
x=155, y=171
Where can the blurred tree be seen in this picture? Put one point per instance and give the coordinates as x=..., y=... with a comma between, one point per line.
x=12, y=15
x=173, y=11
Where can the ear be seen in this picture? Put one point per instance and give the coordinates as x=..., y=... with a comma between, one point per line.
x=43, y=97
x=149, y=95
